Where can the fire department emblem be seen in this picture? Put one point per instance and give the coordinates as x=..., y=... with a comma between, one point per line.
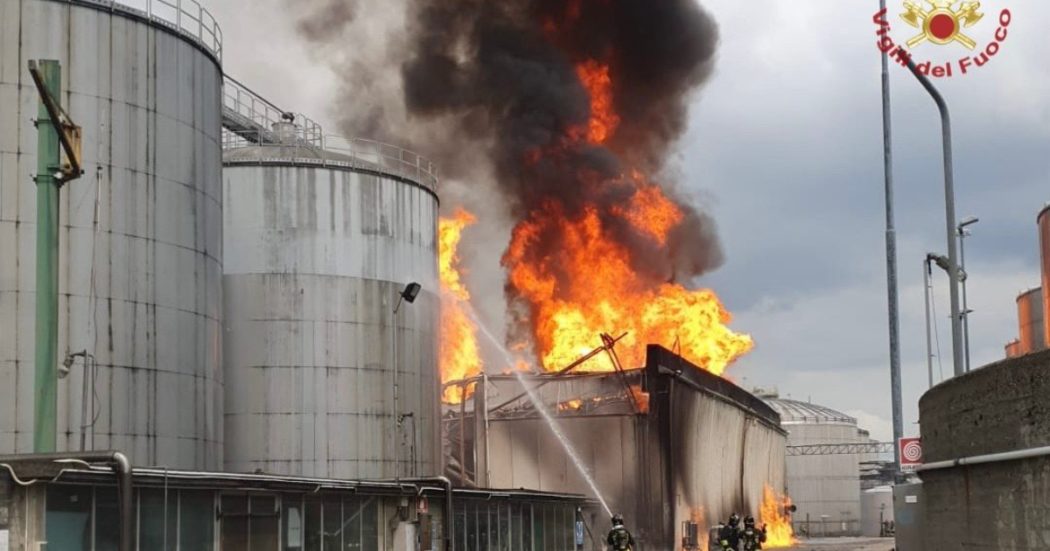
x=943, y=22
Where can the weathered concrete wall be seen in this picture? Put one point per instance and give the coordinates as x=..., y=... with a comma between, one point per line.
x=1001, y=506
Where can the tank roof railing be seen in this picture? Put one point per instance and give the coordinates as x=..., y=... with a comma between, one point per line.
x=250, y=120
x=299, y=145
x=187, y=18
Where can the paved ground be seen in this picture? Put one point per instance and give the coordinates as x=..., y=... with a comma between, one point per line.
x=845, y=544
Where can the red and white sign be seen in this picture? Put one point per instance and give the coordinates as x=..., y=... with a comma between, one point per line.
x=910, y=452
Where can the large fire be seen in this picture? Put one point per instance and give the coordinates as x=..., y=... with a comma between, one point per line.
x=779, y=532
x=459, y=357
x=590, y=285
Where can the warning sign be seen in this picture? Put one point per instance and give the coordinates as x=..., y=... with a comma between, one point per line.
x=910, y=453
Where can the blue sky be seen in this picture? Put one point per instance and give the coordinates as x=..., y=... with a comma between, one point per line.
x=785, y=150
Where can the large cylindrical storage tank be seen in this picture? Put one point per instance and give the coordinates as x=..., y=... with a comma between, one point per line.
x=140, y=289
x=1044, y=249
x=824, y=488
x=1030, y=321
x=320, y=243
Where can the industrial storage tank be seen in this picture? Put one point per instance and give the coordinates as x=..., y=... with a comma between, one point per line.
x=1030, y=321
x=322, y=236
x=1044, y=248
x=140, y=251
x=824, y=488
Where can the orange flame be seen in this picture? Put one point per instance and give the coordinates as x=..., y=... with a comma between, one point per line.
x=458, y=355
x=595, y=78
x=604, y=294
x=593, y=288
x=779, y=532
x=641, y=398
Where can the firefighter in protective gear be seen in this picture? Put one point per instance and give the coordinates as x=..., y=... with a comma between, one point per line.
x=619, y=538
x=729, y=538
x=752, y=537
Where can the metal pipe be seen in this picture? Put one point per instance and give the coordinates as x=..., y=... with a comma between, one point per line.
x=927, y=272
x=949, y=212
x=892, y=293
x=45, y=417
x=121, y=467
x=987, y=458
x=447, y=483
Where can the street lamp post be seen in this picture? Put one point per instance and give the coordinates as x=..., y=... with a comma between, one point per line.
x=927, y=273
x=87, y=400
x=963, y=234
x=949, y=210
x=408, y=294
x=892, y=300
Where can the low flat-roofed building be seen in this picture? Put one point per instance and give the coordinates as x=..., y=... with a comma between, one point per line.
x=62, y=504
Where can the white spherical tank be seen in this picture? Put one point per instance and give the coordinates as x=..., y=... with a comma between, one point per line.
x=140, y=233
x=323, y=377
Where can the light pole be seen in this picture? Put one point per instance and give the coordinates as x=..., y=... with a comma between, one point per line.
x=949, y=211
x=408, y=294
x=893, y=302
x=927, y=273
x=963, y=234
x=87, y=393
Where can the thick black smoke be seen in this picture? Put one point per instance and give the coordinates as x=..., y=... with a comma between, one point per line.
x=504, y=73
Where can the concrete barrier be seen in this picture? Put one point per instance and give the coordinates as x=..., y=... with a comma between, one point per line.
x=1003, y=505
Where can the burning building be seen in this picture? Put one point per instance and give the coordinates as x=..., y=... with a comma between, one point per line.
x=671, y=446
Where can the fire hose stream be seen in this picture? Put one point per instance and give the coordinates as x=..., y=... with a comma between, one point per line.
x=538, y=404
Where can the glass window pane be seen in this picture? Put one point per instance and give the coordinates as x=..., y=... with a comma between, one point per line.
x=483, y=527
x=529, y=528
x=262, y=528
x=370, y=525
x=313, y=525
x=292, y=520
x=504, y=527
x=459, y=527
x=154, y=532
x=68, y=516
x=471, y=543
x=515, y=527
x=493, y=509
x=107, y=519
x=352, y=513
x=333, y=521
x=197, y=520
x=234, y=535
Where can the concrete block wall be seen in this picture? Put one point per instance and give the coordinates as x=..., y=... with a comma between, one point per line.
x=1002, y=506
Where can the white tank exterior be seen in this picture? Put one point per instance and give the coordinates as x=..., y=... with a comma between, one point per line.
x=319, y=246
x=142, y=291
x=824, y=488
x=876, y=510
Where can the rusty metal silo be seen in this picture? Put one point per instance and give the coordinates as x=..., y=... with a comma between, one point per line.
x=1044, y=248
x=1031, y=326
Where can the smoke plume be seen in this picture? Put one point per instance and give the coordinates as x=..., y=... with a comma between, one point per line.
x=506, y=72
x=492, y=91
